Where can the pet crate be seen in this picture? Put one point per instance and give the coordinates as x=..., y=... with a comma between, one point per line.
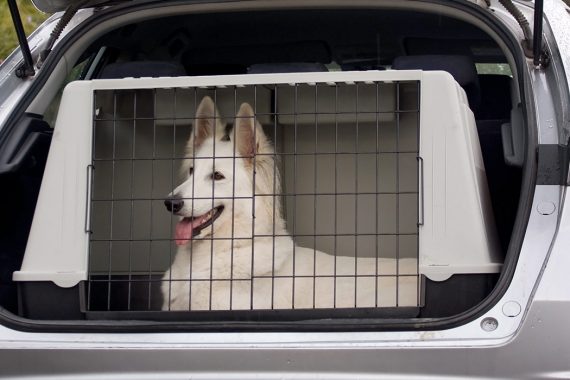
x=382, y=171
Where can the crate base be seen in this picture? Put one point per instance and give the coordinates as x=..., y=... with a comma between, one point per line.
x=457, y=294
x=44, y=300
x=36, y=301
x=260, y=315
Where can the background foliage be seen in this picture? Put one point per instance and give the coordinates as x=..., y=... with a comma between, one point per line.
x=31, y=18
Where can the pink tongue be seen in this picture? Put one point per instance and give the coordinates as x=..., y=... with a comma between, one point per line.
x=184, y=229
x=183, y=232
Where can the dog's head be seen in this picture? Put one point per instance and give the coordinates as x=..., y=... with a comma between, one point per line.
x=222, y=174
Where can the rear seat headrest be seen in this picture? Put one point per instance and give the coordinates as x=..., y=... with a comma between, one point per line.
x=297, y=67
x=140, y=69
x=461, y=67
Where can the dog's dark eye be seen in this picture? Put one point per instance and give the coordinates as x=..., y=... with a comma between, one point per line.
x=217, y=176
x=191, y=171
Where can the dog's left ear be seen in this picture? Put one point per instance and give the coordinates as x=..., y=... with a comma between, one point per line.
x=248, y=133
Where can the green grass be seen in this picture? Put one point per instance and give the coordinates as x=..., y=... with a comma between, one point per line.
x=31, y=18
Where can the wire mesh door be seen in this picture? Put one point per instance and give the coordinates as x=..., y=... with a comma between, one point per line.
x=256, y=197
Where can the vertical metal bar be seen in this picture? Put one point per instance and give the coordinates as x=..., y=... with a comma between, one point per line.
x=274, y=195
x=28, y=68
x=151, y=199
x=131, y=217
x=356, y=203
x=212, y=237
x=397, y=192
x=194, y=162
x=172, y=176
x=421, y=189
x=112, y=199
x=253, y=194
x=233, y=199
x=315, y=196
x=93, y=139
x=377, y=236
x=335, y=190
x=295, y=112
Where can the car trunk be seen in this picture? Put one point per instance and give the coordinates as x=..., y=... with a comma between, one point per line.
x=337, y=163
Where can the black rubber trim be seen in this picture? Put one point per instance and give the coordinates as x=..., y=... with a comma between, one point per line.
x=527, y=193
x=553, y=161
x=30, y=131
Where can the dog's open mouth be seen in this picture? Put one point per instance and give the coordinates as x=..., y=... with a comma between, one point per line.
x=190, y=227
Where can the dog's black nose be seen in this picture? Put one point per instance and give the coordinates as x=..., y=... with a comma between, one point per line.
x=173, y=204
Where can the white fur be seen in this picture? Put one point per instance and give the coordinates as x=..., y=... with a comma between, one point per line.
x=222, y=272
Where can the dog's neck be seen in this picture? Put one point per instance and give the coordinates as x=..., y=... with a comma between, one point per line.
x=225, y=256
x=240, y=237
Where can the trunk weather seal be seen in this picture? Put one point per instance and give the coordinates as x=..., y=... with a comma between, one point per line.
x=527, y=192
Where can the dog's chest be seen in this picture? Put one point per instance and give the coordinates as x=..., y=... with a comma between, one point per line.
x=224, y=261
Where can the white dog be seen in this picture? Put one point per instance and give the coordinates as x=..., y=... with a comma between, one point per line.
x=234, y=251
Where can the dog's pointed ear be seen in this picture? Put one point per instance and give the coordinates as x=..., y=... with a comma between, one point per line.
x=248, y=133
x=207, y=121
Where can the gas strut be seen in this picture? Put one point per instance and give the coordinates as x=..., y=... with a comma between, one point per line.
x=27, y=70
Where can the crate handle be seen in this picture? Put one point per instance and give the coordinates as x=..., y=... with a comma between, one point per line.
x=420, y=191
x=90, y=169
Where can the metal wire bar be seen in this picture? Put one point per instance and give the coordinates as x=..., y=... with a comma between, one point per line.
x=172, y=187
x=132, y=200
x=258, y=195
x=274, y=198
x=335, y=189
x=420, y=191
x=254, y=142
x=151, y=192
x=340, y=153
x=213, y=194
x=259, y=114
x=89, y=248
x=295, y=108
x=376, y=250
x=270, y=235
x=112, y=203
x=307, y=276
x=233, y=203
x=356, y=205
x=315, y=197
x=191, y=261
x=397, y=189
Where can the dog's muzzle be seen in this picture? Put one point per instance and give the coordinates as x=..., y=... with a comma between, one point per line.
x=173, y=204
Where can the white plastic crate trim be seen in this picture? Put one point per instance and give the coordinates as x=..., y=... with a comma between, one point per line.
x=458, y=234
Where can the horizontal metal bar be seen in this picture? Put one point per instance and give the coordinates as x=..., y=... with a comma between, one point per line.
x=264, y=236
x=116, y=159
x=256, y=195
x=190, y=280
x=259, y=114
